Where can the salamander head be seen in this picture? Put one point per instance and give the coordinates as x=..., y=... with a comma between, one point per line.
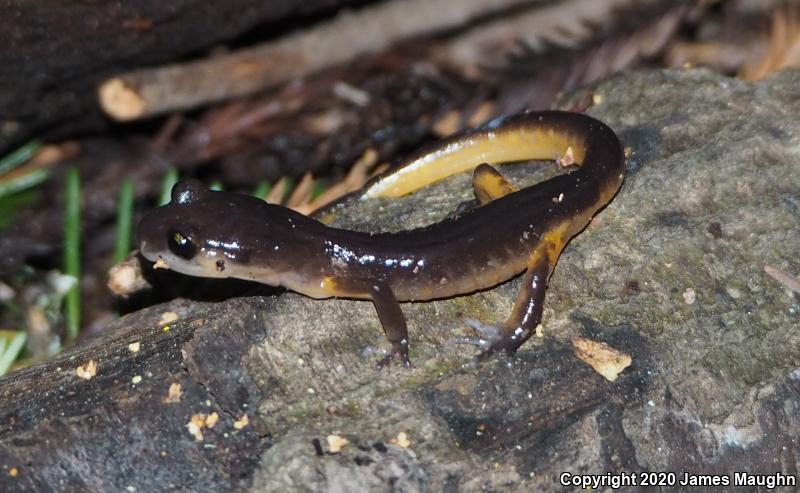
x=216, y=234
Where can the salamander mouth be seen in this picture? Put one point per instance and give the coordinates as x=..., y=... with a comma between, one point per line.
x=146, y=251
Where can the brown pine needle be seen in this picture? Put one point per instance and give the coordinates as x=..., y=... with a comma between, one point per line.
x=783, y=45
x=359, y=173
x=278, y=191
x=302, y=192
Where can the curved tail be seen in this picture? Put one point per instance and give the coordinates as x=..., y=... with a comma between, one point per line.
x=540, y=135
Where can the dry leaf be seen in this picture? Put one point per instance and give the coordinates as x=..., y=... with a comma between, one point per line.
x=605, y=360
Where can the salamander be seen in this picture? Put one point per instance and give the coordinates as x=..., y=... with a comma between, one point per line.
x=221, y=234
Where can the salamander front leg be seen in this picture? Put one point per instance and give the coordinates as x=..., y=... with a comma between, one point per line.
x=393, y=322
x=525, y=316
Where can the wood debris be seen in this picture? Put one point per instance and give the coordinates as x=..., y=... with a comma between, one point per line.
x=173, y=394
x=167, y=318
x=87, y=371
x=242, y=422
x=336, y=443
x=146, y=92
x=402, y=440
x=199, y=421
x=126, y=277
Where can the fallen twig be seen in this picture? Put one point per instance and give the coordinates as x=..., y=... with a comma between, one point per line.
x=148, y=92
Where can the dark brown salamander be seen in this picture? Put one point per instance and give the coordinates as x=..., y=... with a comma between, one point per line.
x=218, y=234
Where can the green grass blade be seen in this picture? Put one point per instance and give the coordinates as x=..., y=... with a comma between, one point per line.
x=262, y=189
x=28, y=180
x=72, y=251
x=15, y=158
x=169, y=181
x=11, y=204
x=124, y=221
x=10, y=354
x=320, y=185
x=289, y=184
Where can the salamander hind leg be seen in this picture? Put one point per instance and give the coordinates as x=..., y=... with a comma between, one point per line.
x=508, y=336
x=393, y=322
x=488, y=184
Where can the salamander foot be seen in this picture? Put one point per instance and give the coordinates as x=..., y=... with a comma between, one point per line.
x=397, y=350
x=493, y=339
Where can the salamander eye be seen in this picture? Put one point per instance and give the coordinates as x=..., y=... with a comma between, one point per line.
x=181, y=244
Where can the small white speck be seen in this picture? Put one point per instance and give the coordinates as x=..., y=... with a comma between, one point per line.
x=733, y=293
